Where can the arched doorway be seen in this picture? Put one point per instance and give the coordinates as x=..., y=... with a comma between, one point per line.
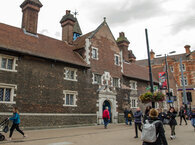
x=107, y=104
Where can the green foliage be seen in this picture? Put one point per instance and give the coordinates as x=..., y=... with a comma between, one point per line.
x=149, y=97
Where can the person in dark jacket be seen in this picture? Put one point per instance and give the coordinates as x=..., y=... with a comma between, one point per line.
x=192, y=117
x=16, y=121
x=146, y=114
x=182, y=115
x=130, y=117
x=161, y=115
x=160, y=132
x=171, y=115
x=138, y=121
x=126, y=112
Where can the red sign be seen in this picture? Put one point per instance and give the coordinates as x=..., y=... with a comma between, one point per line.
x=162, y=80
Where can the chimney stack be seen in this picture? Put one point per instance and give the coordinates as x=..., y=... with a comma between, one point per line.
x=187, y=47
x=67, y=23
x=152, y=54
x=123, y=44
x=30, y=9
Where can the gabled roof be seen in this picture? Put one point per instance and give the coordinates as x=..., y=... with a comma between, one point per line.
x=14, y=39
x=138, y=72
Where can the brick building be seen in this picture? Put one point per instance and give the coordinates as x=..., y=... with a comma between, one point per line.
x=188, y=64
x=69, y=81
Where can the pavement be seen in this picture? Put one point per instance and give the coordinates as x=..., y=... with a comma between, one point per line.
x=119, y=134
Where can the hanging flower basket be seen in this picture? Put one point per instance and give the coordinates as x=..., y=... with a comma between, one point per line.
x=152, y=97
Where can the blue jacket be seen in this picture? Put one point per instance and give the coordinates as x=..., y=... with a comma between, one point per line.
x=138, y=116
x=15, y=118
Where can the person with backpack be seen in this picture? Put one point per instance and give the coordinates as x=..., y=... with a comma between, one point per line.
x=172, y=115
x=182, y=115
x=153, y=132
x=138, y=121
x=106, y=117
x=130, y=117
x=16, y=121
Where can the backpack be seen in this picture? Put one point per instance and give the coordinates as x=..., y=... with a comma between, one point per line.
x=129, y=115
x=149, y=132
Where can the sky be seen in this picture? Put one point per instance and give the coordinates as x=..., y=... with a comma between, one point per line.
x=170, y=23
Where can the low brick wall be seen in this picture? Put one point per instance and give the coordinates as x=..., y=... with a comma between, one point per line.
x=53, y=121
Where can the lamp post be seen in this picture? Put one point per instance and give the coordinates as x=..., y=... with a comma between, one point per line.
x=150, y=68
x=167, y=74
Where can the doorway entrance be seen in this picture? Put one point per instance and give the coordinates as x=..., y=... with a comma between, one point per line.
x=107, y=104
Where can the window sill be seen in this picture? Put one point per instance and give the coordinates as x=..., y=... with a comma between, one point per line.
x=8, y=70
x=74, y=80
x=5, y=102
x=95, y=58
x=69, y=105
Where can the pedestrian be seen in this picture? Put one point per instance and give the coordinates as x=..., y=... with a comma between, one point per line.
x=130, y=117
x=171, y=115
x=16, y=121
x=126, y=112
x=192, y=117
x=161, y=115
x=106, y=117
x=182, y=115
x=160, y=132
x=146, y=114
x=138, y=121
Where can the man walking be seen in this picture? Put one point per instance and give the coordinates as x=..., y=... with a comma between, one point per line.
x=126, y=112
x=182, y=114
x=106, y=117
x=138, y=121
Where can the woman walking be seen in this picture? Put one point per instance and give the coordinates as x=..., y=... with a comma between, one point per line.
x=160, y=132
x=16, y=121
x=171, y=116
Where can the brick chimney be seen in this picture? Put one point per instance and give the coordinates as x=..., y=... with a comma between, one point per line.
x=123, y=44
x=152, y=54
x=30, y=9
x=187, y=47
x=67, y=23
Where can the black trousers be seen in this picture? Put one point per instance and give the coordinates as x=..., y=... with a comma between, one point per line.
x=15, y=126
x=184, y=118
x=138, y=125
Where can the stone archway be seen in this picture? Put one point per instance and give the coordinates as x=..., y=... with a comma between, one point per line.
x=110, y=97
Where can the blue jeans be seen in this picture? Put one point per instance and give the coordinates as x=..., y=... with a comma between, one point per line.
x=193, y=122
x=106, y=121
x=127, y=121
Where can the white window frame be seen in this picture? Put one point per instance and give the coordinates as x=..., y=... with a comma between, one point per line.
x=171, y=68
x=92, y=56
x=12, y=95
x=131, y=85
x=66, y=69
x=134, y=100
x=118, y=79
x=93, y=78
x=74, y=93
x=185, y=80
x=13, y=65
x=115, y=56
x=184, y=67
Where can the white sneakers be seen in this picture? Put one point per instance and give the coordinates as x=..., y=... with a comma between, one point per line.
x=173, y=137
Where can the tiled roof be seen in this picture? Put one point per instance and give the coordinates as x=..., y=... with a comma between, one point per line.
x=80, y=41
x=77, y=28
x=139, y=72
x=14, y=39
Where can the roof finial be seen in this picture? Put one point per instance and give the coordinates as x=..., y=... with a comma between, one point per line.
x=104, y=19
x=75, y=13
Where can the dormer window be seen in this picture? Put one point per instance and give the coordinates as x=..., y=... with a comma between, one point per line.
x=116, y=59
x=95, y=53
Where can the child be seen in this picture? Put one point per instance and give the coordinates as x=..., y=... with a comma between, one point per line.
x=16, y=121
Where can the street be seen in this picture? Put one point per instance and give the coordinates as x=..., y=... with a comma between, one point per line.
x=119, y=134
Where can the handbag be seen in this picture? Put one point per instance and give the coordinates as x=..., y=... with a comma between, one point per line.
x=166, y=121
x=6, y=129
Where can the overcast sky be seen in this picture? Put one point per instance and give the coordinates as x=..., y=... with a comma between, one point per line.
x=170, y=23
